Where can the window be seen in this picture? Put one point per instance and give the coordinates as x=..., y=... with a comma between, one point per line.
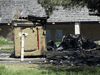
x=48, y=35
x=59, y=34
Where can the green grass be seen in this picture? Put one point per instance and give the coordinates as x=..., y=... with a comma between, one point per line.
x=3, y=42
x=11, y=43
x=57, y=43
x=7, y=49
x=5, y=71
x=67, y=70
x=53, y=70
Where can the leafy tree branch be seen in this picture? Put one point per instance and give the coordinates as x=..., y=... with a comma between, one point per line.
x=49, y=5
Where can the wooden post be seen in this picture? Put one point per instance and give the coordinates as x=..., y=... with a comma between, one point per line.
x=77, y=28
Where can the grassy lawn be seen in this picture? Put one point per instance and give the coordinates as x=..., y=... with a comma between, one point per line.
x=3, y=42
x=45, y=69
x=7, y=50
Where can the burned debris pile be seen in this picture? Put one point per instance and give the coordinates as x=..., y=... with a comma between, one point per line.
x=73, y=50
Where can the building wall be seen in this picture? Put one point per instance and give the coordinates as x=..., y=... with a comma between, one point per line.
x=66, y=29
x=7, y=32
x=91, y=31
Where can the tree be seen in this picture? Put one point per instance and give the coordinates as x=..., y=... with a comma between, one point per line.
x=49, y=5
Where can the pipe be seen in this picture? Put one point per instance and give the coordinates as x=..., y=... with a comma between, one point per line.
x=22, y=50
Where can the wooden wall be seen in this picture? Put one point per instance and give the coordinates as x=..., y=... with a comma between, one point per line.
x=66, y=29
x=91, y=31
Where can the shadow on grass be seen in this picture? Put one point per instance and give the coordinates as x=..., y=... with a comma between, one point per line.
x=69, y=69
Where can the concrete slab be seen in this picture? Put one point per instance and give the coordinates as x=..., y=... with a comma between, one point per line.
x=26, y=60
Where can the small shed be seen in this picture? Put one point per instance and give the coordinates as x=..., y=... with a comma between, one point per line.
x=29, y=36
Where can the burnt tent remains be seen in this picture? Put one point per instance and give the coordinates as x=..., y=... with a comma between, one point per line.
x=74, y=50
x=79, y=42
x=75, y=42
x=34, y=19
